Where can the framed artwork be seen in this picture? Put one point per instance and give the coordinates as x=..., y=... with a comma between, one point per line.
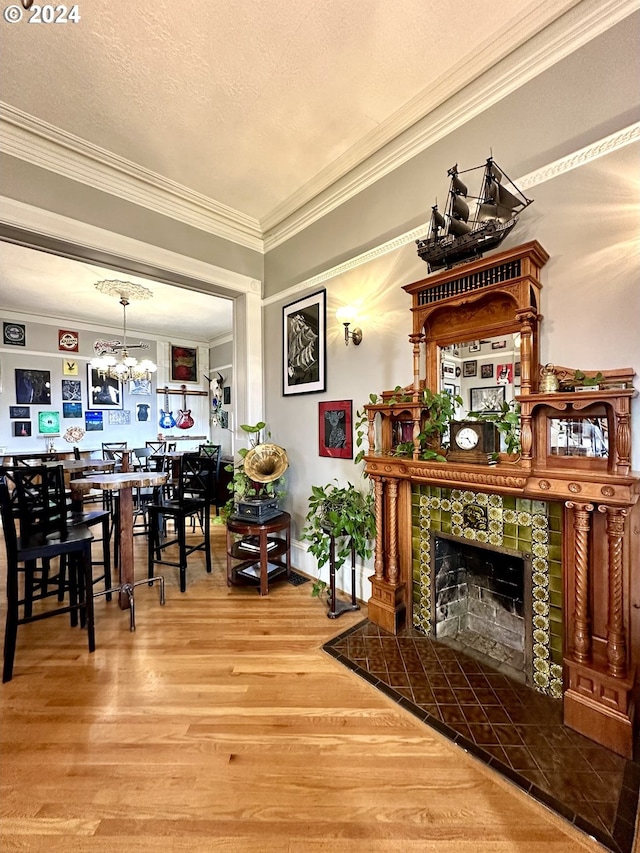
x=93, y=421
x=474, y=346
x=448, y=369
x=67, y=340
x=470, y=368
x=449, y=388
x=33, y=386
x=304, y=345
x=335, y=435
x=72, y=410
x=488, y=399
x=120, y=418
x=226, y=395
x=223, y=419
x=184, y=364
x=21, y=429
x=486, y=371
x=71, y=391
x=102, y=393
x=498, y=345
x=142, y=411
x=19, y=412
x=69, y=367
x=516, y=369
x=140, y=387
x=49, y=423
x=504, y=374
x=14, y=334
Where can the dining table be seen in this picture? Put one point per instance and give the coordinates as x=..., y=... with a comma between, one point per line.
x=124, y=483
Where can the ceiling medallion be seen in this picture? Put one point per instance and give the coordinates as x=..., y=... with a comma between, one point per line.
x=128, y=367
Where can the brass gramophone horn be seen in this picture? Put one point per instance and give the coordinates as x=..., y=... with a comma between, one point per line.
x=265, y=463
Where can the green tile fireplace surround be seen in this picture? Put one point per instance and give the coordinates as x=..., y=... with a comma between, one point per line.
x=529, y=527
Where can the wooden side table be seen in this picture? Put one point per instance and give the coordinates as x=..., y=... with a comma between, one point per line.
x=255, y=553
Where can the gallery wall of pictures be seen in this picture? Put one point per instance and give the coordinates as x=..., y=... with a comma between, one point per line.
x=50, y=394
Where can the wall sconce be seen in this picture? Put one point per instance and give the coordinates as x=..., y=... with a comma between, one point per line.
x=346, y=316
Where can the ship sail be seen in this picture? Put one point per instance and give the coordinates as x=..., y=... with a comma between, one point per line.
x=472, y=224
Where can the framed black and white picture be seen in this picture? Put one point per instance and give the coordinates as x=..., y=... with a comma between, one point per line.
x=304, y=345
x=488, y=399
x=102, y=393
x=470, y=368
x=19, y=412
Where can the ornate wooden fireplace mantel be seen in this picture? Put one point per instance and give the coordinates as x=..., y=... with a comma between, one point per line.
x=498, y=296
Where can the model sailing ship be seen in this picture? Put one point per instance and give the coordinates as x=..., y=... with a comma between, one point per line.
x=459, y=234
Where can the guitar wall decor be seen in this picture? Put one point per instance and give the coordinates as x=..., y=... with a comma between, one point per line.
x=185, y=421
x=167, y=421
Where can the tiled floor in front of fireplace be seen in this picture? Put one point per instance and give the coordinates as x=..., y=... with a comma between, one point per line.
x=512, y=728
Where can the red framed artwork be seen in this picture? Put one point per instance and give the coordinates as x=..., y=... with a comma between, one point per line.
x=335, y=433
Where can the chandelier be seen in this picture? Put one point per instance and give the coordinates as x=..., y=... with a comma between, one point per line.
x=126, y=366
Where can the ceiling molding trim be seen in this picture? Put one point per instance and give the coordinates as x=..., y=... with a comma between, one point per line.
x=607, y=145
x=226, y=283
x=41, y=144
x=358, y=168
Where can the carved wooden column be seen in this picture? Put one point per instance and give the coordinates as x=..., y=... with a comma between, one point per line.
x=582, y=621
x=616, y=639
x=387, y=607
x=416, y=339
x=379, y=511
x=598, y=700
x=527, y=320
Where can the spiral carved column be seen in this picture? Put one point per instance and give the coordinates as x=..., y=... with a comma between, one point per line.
x=616, y=639
x=392, y=564
x=379, y=512
x=582, y=622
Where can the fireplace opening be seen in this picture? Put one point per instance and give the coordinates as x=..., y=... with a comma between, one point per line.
x=481, y=601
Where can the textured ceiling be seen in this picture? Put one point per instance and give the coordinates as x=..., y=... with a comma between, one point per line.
x=246, y=102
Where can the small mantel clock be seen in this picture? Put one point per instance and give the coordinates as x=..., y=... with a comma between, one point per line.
x=473, y=441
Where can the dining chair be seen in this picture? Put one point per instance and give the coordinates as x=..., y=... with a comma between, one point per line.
x=191, y=500
x=44, y=535
x=159, y=447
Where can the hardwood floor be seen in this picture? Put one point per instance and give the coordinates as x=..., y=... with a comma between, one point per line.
x=221, y=725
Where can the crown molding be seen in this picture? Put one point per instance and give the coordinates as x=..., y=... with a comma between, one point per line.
x=365, y=164
x=35, y=141
x=34, y=220
x=607, y=145
x=447, y=104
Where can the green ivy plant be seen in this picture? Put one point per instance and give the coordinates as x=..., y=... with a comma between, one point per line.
x=507, y=420
x=344, y=513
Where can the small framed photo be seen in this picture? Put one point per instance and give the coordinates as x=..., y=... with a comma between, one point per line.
x=140, y=387
x=516, y=369
x=72, y=410
x=335, y=434
x=486, y=371
x=304, y=345
x=449, y=388
x=488, y=399
x=504, y=374
x=498, y=345
x=102, y=393
x=470, y=368
x=49, y=423
x=474, y=346
x=93, y=421
x=21, y=429
x=71, y=391
x=448, y=369
x=14, y=334
x=184, y=364
x=19, y=412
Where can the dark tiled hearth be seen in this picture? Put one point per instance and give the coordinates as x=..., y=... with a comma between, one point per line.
x=515, y=730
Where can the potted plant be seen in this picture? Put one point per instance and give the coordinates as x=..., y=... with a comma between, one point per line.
x=241, y=485
x=344, y=513
x=507, y=421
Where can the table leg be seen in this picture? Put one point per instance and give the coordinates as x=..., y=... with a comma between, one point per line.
x=264, y=577
x=126, y=568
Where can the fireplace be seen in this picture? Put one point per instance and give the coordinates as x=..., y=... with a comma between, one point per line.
x=519, y=620
x=481, y=601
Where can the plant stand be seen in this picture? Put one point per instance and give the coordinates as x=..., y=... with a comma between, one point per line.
x=336, y=606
